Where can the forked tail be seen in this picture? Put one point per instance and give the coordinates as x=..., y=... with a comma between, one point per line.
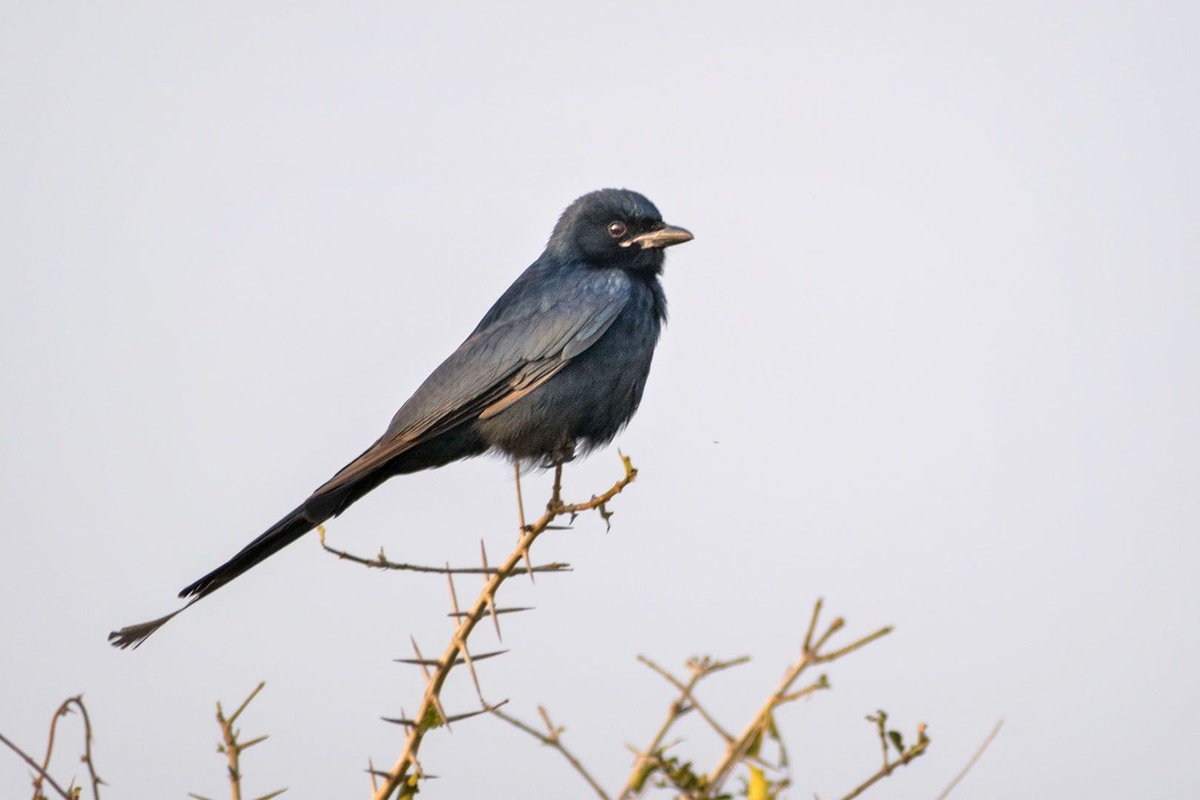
x=274, y=539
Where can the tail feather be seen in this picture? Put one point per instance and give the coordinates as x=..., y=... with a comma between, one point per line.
x=274, y=539
x=328, y=501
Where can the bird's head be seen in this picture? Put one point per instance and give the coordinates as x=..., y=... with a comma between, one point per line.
x=615, y=228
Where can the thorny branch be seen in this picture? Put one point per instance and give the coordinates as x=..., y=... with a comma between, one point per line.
x=403, y=776
x=381, y=561
x=233, y=749
x=744, y=748
x=42, y=776
x=86, y=758
x=28, y=759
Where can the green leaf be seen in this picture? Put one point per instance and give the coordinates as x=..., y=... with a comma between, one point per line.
x=772, y=731
x=755, y=744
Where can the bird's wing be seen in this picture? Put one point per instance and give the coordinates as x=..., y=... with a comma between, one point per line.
x=506, y=358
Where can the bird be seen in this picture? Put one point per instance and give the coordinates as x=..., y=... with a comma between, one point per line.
x=555, y=369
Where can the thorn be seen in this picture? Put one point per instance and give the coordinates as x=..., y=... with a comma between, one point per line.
x=409, y=723
x=421, y=660
x=462, y=645
x=405, y=721
x=512, y=610
x=529, y=565
x=491, y=600
x=272, y=795
x=430, y=662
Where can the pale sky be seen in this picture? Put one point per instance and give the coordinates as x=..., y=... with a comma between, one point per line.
x=932, y=356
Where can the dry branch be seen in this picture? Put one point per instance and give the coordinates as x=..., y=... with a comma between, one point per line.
x=553, y=738
x=380, y=561
x=650, y=757
x=811, y=655
x=232, y=748
x=42, y=774
x=905, y=754
x=971, y=763
x=403, y=776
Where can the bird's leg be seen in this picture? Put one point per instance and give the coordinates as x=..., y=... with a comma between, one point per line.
x=560, y=456
x=521, y=517
x=556, y=496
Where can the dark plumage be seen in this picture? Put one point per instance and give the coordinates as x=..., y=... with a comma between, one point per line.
x=556, y=365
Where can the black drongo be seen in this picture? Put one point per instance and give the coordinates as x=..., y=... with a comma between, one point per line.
x=557, y=365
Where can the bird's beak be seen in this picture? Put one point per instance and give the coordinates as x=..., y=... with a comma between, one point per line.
x=665, y=236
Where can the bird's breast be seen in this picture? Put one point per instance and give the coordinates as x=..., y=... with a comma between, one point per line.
x=589, y=400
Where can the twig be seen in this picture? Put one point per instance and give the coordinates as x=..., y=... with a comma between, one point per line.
x=811, y=654
x=41, y=772
x=691, y=698
x=233, y=749
x=402, y=775
x=646, y=759
x=978, y=754
x=553, y=738
x=381, y=562
x=87, y=745
x=640, y=771
x=63, y=709
x=37, y=784
x=887, y=769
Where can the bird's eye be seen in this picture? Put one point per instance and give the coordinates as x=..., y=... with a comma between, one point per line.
x=616, y=229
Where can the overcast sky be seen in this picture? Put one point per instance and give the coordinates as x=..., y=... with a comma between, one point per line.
x=932, y=356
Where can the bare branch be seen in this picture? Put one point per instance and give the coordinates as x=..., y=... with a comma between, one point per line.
x=647, y=760
x=691, y=698
x=381, y=561
x=87, y=745
x=737, y=749
x=401, y=777
x=232, y=748
x=850, y=648
x=42, y=774
x=553, y=738
x=812, y=623
x=971, y=763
